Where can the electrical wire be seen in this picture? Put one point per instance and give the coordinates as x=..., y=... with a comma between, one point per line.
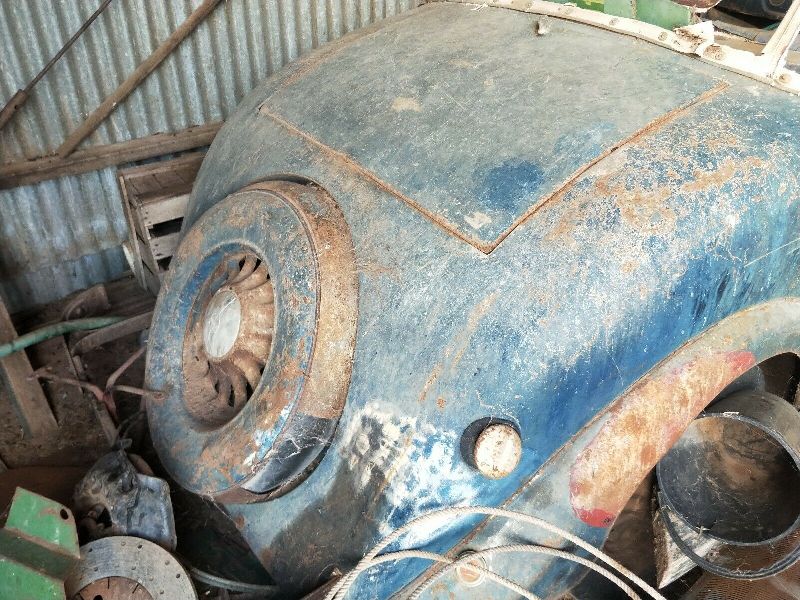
x=231, y=585
x=529, y=548
x=344, y=584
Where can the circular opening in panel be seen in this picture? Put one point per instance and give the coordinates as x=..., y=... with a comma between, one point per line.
x=228, y=343
x=732, y=480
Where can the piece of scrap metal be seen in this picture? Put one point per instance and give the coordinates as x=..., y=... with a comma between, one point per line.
x=114, y=499
x=113, y=332
x=38, y=548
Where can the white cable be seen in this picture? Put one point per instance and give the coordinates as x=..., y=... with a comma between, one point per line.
x=530, y=548
x=344, y=584
x=451, y=564
x=406, y=554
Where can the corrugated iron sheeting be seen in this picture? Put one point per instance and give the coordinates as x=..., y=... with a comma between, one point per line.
x=77, y=221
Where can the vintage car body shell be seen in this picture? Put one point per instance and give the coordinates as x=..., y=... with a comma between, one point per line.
x=580, y=233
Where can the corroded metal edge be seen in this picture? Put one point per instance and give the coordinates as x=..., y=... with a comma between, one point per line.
x=283, y=431
x=767, y=67
x=645, y=422
x=327, y=378
x=561, y=189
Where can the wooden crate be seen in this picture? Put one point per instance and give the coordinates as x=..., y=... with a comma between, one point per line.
x=155, y=197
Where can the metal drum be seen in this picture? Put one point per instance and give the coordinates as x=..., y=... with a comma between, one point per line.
x=731, y=484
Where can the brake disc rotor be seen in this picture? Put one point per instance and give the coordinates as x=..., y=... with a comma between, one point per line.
x=128, y=568
x=114, y=588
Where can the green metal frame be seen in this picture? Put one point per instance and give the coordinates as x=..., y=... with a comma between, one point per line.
x=664, y=13
x=38, y=548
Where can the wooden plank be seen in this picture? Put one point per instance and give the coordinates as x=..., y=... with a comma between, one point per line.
x=134, y=79
x=156, y=194
x=190, y=161
x=134, y=260
x=27, y=397
x=146, y=252
x=168, y=209
x=140, y=227
x=162, y=194
x=164, y=246
x=131, y=247
x=98, y=157
x=152, y=281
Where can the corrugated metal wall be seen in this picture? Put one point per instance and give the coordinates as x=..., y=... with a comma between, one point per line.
x=62, y=235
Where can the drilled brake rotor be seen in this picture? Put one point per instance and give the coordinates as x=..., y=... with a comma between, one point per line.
x=128, y=568
x=114, y=588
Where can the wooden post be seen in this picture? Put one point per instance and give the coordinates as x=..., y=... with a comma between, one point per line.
x=27, y=397
x=142, y=71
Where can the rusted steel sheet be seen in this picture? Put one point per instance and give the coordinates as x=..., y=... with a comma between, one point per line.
x=588, y=481
x=648, y=420
x=621, y=226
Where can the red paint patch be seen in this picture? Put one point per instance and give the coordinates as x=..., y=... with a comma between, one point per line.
x=596, y=517
x=643, y=425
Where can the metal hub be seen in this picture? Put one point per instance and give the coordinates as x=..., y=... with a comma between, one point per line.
x=228, y=346
x=222, y=320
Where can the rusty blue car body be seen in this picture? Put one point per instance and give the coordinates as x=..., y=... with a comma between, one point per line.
x=579, y=233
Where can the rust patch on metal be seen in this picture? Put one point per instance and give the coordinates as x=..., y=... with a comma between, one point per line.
x=351, y=164
x=346, y=161
x=647, y=209
x=727, y=171
x=642, y=426
x=328, y=376
x=648, y=129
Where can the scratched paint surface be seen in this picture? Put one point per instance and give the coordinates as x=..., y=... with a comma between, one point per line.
x=414, y=122
x=658, y=415
x=692, y=221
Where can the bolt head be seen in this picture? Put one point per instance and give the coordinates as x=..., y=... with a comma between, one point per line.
x=469, y=577
x=497, y=451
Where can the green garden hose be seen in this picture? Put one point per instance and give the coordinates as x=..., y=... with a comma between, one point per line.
x=56, y=329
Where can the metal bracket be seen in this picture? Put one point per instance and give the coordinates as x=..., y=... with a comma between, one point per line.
x=38, y=548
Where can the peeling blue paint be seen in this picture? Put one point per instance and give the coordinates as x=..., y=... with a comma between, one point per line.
x=688, y=224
